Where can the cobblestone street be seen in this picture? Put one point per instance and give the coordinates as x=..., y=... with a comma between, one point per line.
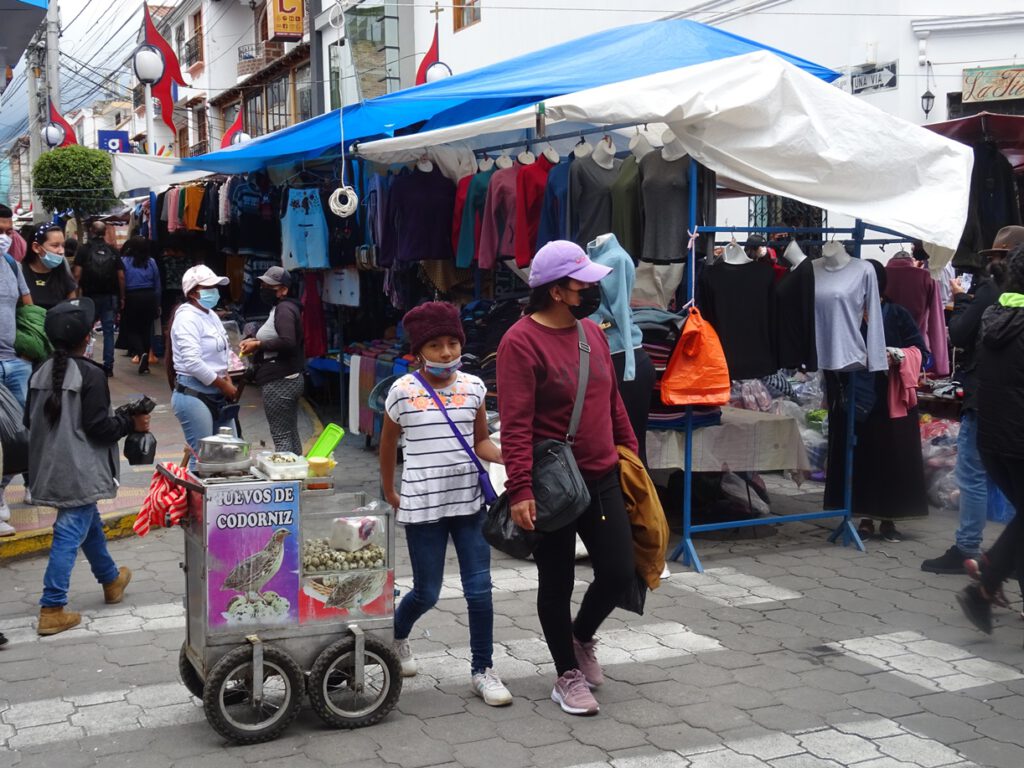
x=789, y=652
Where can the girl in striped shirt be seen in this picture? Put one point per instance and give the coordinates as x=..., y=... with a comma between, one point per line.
x=440, y=496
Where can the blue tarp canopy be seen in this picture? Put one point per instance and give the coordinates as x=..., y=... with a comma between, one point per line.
x=606, y=57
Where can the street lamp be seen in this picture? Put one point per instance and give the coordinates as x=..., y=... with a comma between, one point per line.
x=927, y=102
x=241, y=138
x=53, y=135
x=438, y=71
x=148, y=64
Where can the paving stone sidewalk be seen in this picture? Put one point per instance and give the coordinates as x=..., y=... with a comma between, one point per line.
x=789, y=652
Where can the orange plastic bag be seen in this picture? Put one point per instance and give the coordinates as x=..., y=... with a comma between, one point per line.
x=697, y=373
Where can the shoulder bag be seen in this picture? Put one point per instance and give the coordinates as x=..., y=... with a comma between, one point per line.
x=559, y=492
x=485, y=480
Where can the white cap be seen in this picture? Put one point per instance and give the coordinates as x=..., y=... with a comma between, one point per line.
x=201, y=276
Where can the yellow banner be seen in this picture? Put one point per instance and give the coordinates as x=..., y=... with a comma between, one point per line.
x=285, y=20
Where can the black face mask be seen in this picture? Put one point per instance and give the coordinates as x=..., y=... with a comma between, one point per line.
x=268, y=296
x=590, y=300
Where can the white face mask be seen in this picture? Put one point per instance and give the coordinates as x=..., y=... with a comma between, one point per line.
x=5, y=243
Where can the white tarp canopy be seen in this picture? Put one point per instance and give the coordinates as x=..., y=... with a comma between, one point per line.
x=131, y=171
x=765, y=125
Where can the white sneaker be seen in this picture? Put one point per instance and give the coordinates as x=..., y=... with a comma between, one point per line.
x=6, y=529
x=5, y=512
x=581, y=549
x=28, y=497
x=665, y=573
x=488, y=686
x=405, y=657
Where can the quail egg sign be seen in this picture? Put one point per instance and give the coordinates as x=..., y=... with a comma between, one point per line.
x=252, y=555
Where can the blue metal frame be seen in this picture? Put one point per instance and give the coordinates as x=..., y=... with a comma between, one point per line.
x=845, y=529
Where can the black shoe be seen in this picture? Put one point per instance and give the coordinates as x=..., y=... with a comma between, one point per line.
x=890, y=534
x=144, y=366
x=109, y=371
x=950, y=562
x=976, y=607
x=3, y=640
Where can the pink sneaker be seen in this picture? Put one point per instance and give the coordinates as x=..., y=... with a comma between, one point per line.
x=586, y=657
x=573, y=695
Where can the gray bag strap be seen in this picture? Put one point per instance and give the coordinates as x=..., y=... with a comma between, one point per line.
x=581, y=388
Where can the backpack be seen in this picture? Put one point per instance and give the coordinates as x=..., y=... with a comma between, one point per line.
x=102, y=266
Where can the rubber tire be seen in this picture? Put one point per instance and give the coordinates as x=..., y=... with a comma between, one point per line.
x=219, y=675
x=189, y=677
x=317, y=699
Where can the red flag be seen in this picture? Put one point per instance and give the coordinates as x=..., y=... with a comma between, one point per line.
x=172, y=70
x=69, y=132
x=229, y=134
x=431, y=58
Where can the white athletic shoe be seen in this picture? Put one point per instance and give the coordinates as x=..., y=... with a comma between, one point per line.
x=6, y=529
x=405, y=657
x=488, y=686
x=5, y=512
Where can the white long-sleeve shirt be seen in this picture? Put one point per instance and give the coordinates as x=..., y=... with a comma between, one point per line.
x=843, y=298
x=199, y=344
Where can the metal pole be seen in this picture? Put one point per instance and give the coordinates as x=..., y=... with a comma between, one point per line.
x=150, y=137
x=53, y=53
x=36, y=123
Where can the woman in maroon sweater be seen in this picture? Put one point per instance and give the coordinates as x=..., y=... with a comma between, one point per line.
x=538, y=372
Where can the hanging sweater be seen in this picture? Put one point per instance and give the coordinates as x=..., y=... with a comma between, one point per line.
x=530, y=185
x=917, y=291
x=498, y=225
x=554, y=218
x=590, y=198
x=472, y=215
x=739, y=302
x=418, y=221
x=538, y=373
x=626, y=216
x=842, y=299
x=624, y=335
x=665, y=202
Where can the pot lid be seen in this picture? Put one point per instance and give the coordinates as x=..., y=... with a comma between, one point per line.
x=224, y=436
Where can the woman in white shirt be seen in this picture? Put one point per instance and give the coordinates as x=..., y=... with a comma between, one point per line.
x=199, y=359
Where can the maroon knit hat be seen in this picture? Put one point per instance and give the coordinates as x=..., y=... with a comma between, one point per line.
x=430, y=320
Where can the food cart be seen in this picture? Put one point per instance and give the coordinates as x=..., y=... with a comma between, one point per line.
x=288, y=591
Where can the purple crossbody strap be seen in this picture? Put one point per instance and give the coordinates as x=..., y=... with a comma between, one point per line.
x=455, y=429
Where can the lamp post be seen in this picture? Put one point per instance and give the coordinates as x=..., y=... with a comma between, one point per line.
x=53, y=135
x=438, y=71
x=241, y=138
x=148, y=63
x=927, y=102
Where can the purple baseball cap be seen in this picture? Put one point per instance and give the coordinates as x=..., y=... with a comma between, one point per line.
x=559, y=259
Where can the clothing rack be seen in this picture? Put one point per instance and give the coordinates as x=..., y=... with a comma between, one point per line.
x=532, y=140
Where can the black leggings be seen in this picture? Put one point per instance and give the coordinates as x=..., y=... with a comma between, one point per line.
x=1007, y=473
x=636, y=394
x=606, y=531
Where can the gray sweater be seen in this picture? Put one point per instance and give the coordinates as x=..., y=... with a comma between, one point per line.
x=590, y=193
x=842, y=299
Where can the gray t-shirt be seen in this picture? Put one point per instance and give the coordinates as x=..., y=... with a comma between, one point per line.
x=590, y=207
x=12, y=287
x=843, y=298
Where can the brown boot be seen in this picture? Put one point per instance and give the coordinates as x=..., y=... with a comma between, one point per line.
x=114, y=591
x=55, y=619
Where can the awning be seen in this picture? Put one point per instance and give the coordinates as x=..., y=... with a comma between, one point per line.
x=131, y=172
x=1005, y=131
x=614, y=55
x=767, y=125
x=21, y=19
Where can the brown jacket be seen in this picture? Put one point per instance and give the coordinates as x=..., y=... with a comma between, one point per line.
x=646, y=516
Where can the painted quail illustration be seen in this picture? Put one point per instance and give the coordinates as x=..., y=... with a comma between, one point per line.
x=253, y=573
x=355, y=591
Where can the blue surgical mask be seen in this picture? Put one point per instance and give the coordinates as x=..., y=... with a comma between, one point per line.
x=442, y=370
x=209, y=297
x=51, y=260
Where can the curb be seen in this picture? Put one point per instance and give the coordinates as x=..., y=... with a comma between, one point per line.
x=116, y=524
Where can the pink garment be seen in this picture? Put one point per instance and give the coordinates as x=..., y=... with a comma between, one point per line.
x=173, y=220
x=499, y=219
x=916, y=291
x=18, y=247
x=903, y=383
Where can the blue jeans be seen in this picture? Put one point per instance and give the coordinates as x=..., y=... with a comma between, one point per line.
x=972, y=479
x=428, y=543
x=196, y=420
x=106, y=312
x=76, y=527
x=14, y=374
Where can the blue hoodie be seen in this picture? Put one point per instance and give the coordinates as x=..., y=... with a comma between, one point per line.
x=615, y=292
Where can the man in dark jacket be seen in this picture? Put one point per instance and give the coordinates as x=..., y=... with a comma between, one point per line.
x=964, y=330
x=1000, y=437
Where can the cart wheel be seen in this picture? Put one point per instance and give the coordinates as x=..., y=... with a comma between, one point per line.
x=188, y=674
x=332, y=690
x=228, y=696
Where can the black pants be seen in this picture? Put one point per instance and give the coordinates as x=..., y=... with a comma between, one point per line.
x=1007, y=472
x=605, y=529
x=636, y=394
x=140, y=310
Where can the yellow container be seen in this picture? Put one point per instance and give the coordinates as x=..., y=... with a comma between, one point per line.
x=321, y=466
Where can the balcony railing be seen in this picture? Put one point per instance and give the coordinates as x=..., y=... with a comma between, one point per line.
x=139, y=99
x=199, y=148
x=254, y=57
x=194, y=50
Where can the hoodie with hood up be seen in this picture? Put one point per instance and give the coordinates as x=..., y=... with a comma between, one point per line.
x=1001, y=377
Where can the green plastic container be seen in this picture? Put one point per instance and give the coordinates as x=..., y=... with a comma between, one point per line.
x=327, y=442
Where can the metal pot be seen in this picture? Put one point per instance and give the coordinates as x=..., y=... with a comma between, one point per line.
x=223, y=452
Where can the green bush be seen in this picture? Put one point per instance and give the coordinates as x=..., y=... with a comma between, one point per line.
x=74, y=178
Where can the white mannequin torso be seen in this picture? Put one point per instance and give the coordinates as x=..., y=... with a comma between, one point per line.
x=486, y=163
x=673, y=149
x=503, y=161
x=793, y=254
x=601, y=239
x=604, y=154
x=582, y=149
x=735, y=255
x=551, y=154
x=526, y=157
x=834, y=255
x=423, y=164
x=640, y=145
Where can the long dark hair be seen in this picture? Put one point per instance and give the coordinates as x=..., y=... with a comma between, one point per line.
x=138, y=249
x=53, y=405
x=1014, y=280
x=540, y=297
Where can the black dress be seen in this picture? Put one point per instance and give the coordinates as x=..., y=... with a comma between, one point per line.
x=888, y=468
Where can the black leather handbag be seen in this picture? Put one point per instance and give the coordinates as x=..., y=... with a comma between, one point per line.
x=559, y=492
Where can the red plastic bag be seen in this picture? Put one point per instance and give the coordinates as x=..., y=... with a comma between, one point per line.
x=166, y=502
x=697, y=373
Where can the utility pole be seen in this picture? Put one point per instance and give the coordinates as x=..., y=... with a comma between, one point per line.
x=53, y=53
x=35, y=119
